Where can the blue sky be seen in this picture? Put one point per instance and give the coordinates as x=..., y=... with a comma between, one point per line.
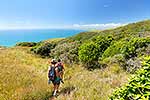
x=71, y=13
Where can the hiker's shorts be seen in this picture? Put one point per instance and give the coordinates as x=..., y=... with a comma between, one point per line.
x=56, y=81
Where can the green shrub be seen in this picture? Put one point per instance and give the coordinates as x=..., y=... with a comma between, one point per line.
x=118, y=58
x=90, y=52
x=138, y=87
x=43, y=49
x=103, y=41
x=68, y=52
x=26, y=44
x=114, y=49
x=130, y=49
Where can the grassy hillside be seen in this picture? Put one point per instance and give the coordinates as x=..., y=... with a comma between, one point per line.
x=132, y=29
x=129, y=42
x=138, y=29
x=112, y=55
x=24, y=77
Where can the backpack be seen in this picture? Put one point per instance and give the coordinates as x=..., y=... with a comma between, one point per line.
x=51, y=73
x=60, y=67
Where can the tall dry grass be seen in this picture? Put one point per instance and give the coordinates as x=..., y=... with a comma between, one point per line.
x=81, y=84
x=23, y=76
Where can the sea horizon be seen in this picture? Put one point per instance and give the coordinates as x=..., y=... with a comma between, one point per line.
x=9, y=37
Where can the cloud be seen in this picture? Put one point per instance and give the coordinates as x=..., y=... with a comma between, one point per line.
x=25, y=25
x=105, y=6
x=98, y=26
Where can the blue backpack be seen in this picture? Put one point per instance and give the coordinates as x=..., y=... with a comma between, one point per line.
x=51, y=73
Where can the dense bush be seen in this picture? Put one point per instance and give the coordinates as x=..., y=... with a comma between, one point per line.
x=114, y=49
x=128, y=47
x=104, y=41
x=68, y=52
x=43, y=49
x=90, y=52
x=138, y=87
x=118, y=59
x=26, y=44
x=131, y=48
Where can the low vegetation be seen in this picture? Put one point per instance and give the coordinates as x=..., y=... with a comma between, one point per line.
x=138, y=87
x=111, y=54
x=24, y=77
x=26, y=44
x=68, y=52
x=90, y=52
x=43, y=49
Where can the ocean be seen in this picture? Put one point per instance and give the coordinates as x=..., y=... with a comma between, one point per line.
x=11, y=37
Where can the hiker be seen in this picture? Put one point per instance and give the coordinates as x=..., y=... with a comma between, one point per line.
x=54, y=76
x=61, y=69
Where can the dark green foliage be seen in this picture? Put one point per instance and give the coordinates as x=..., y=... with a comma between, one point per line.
x=68, y=52
x=90, y=52
x=108, y=44
x=43, y=49
x=130, y=49
x=103, y=42
x=138, y=87
x=114, y=49
x=26, y=44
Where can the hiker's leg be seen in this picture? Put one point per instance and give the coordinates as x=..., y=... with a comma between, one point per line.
x=55, y=90
x=57, y=86
x=54, y=87
x=61, y=76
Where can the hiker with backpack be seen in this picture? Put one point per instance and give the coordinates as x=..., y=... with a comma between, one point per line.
x=61, y=69
x=54, y=76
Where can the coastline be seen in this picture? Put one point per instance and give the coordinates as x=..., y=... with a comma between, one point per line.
x=9, y=38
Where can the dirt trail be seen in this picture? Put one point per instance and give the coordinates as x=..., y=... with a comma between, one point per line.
x=65, y=91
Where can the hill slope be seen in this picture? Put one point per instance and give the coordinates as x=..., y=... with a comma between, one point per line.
x=24, y=77
x=24, y=74
x=21, y=77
